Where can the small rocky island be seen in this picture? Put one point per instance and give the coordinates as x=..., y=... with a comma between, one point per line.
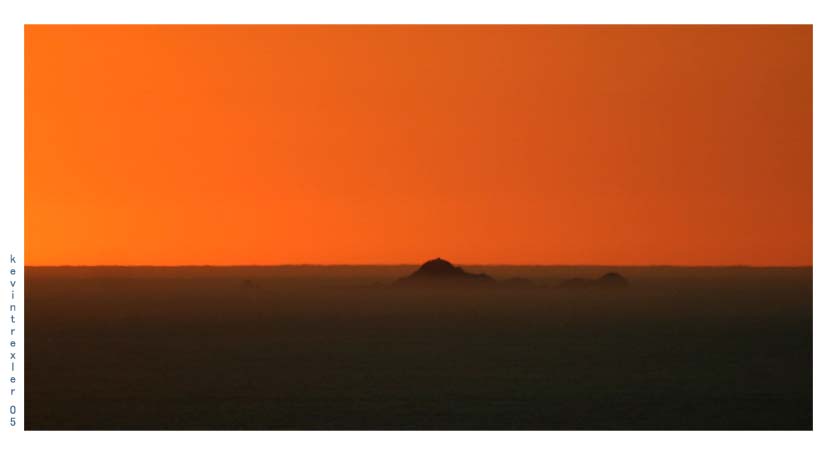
x=610, y=280
x=439, y=272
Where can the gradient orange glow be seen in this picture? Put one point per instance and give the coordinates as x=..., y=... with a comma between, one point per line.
x=174, y=145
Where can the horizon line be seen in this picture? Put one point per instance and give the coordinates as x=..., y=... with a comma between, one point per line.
x=174, y=266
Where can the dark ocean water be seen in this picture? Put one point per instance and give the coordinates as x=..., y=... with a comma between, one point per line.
x=339, y=348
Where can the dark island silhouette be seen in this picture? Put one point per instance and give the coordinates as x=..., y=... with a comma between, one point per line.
x=440, y=272
x=609, y=280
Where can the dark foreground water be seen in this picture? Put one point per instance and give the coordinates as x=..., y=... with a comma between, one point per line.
x=338, y=348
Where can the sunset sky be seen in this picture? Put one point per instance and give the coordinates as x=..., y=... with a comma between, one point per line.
x=237, y=145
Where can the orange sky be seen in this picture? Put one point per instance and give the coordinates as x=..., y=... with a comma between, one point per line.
x=175, y=145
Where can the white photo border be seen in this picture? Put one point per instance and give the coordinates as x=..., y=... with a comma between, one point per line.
x=16, y=13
